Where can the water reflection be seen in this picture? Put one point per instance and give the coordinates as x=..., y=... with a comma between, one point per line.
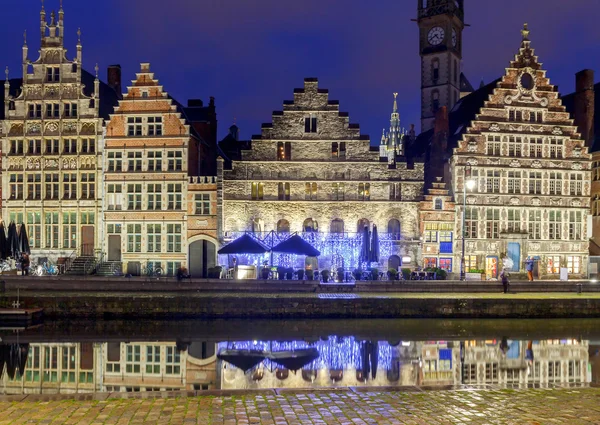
x=312, y=362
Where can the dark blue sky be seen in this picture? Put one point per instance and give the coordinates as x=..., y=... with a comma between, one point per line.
x=251, y=54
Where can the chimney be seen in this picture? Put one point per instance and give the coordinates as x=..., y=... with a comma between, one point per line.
x=584, y=105
x=114, y=78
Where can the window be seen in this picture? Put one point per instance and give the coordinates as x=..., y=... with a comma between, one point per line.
x=535, y=147
x=70, y=146
x=338, y=191
x=514, y=221
x=471, y=219
x=492, y=223
x=16, y=217
x=470, y=262
x=52, y=74
x=32, y=372
x=310, y=124
x=519, y=115
x=430, y=262
x=88, y=146
x=576, y=184
x=257, y=191
x=70, y=110
x=173, y=237
x=134, y=238
x=574, y=264
x=202, y=204
x=35, y=110
x=52, y=110
x=133, y=358
x=134, y=160
x=445, y=232
x=114, y=161
x=283, y=191
x=364, y=191
x=51, y=226
x=69, y=230
x=493, y=181
x=435, y=100
x=338, y=150
x=553, y=266
x=153, y=359
x=283, y=226
x=555, y=184
x=174, y=161
x=88, y=218
x=134, y=196
x=88, y=186
x=555, y=221
x=155, y=126
x=556, y=148
x=50, y=364
x=134, y=126
x=535, y=224
x=395, y=192
x=68, y=365
x=435, y=68
x=535, y=182
x=70, y=186
x=35, y=147
x=575, y=225
x=511, y=115
x=34, y=229
x=16, y=186
x=34, y=186
x=446, y=264
x=52, y=147
x=114, y=229
x=114, y=195
x=16, y=147
x=154, y=161
x=514, y=182
x=336, y=226
x=154, y=196
x=514, y=146
x=284, y=151
x=431, y=234
x=172, y=267
x=437, y=204
x=174, y=196
x=310, y=192
x=173, y=364
x=574, y=370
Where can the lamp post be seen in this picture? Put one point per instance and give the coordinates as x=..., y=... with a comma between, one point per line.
x=470, y=183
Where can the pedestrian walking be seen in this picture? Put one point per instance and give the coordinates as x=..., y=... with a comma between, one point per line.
x=529, y=268
x=505, y=282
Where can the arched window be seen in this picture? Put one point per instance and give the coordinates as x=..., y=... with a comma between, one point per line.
x=337, y=226
x=310, y=225
x=364, y=191
x=362, y=223
x=283, y=226
x=438, y=204
x=283, y=191
x=394, y=228
x=435, y=68
x=256, y=225
x=435, y=100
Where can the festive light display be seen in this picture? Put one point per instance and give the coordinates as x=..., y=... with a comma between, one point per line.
x=335, y=353
x=337, y=250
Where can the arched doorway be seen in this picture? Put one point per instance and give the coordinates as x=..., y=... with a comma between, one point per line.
x=394, y=262
x=202, y=256
x=283, y=226
x=336, y=226
x=310, y=225
x=361, y=224
x=394, y=229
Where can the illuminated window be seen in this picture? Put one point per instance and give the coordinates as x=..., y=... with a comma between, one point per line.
x=338, y=191
x=364, y=191
x=284, y=151
x=283, y=191
x=574, y=264
x=283, y=226
x=470, y=262
x=553, y=266
x=338, y=150
x=310, y=192
x=431, y=234
x=257, y=191
x=446, y=264
x=429, y=262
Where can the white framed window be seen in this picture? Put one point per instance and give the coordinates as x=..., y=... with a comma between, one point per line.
x=154, y=191
x=492, y=223
x=134, y=238
x=153, y=359
x=154, y=161
x=202, y=203
x=174, y=161
x=173, y=363
x=133, y=358
x=134, y=126
x=155, y=126
x=574, y=264
x=555, y=225
x=114, y=196
x=174, y=196
x=154, y=236
x=134, y=196
x=173, y=237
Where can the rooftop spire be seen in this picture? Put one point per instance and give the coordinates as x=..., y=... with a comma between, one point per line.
x=96, y=68
x=6, y=72
x=25, y=38
x=78, y=35
x=525, y=32
x=395, y=103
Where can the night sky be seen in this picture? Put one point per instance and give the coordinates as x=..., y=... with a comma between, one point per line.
x=251, y=54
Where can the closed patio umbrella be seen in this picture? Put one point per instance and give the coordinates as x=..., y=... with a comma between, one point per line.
x=374, y=254
x=2, y=241
x=366, y=246
x=12, y=241
x=24, y=240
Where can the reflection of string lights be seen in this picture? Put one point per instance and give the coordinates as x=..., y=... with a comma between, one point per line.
x=335, y=353
x=331, y=245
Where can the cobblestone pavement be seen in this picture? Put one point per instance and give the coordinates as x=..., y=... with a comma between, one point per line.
x=533, y=406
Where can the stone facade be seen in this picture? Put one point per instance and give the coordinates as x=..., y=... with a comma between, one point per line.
x=532, y=173
x=52, y=134
x=311, y=170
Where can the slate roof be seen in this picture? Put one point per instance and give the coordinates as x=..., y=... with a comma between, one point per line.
x=14, y=90
x=108, y=99
x=569, y=102
x=465, y=85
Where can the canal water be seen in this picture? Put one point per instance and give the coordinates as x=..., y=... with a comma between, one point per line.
x=136, y=356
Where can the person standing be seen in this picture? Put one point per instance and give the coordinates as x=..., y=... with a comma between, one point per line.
x=25, y=265
x=505, y=282
x=529, y=268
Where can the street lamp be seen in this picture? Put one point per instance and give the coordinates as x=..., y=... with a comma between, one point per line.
x=468, y=182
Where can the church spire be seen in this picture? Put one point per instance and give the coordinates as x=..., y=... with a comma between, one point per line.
x=42, y=22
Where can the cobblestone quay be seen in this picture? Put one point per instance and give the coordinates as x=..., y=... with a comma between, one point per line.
x=345, y=407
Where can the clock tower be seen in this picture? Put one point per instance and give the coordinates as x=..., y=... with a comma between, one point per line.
x=441, y=23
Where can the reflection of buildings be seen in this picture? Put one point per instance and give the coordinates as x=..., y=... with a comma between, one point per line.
x=543, y=363
x=115, y=366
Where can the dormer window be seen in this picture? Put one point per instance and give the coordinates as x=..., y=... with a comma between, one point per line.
x=310, y=124
x=438, y=204
x=145, y=94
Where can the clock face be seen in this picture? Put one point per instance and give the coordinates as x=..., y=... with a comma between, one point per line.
x=454, y=38
x=435, y=36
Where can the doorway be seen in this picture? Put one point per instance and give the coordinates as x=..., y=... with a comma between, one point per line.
x=514, y=253
x=114, y=247
x=202, y=256
x=87, y=241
